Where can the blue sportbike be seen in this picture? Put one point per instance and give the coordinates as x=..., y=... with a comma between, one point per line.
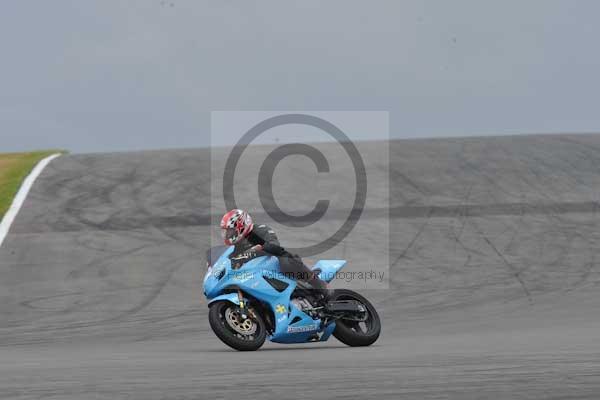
x=256, y=301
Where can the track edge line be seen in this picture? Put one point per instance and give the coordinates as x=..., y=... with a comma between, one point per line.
x=21, y=195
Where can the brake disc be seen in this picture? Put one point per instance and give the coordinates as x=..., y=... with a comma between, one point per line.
x=240, y=325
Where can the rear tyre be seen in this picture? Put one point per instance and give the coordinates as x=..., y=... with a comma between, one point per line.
x=357, y=333
x=241, y=334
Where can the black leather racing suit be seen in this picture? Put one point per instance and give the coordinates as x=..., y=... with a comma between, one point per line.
x=290, y=265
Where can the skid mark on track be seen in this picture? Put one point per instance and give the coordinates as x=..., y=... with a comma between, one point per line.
x=515, y=272
x=411, y=243
x=32, y=302
x=157, y=289
x=102, y=264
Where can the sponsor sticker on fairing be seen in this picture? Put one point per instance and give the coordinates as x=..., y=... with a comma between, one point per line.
x=299, y=329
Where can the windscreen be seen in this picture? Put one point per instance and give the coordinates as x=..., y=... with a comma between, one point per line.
x=213, y=254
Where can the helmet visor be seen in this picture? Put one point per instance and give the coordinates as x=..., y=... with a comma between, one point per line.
x=228, y=234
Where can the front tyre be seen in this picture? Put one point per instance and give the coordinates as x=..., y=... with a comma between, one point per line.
x=236, y=332
x=357, y=333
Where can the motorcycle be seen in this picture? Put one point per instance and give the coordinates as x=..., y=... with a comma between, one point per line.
x=254, y=301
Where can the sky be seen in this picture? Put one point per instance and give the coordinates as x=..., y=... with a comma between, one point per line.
x=104, y=75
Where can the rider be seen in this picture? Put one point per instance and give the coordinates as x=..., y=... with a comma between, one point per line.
x=238, y=229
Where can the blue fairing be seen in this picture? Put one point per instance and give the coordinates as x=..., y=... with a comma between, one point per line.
x=329, y=268
x=251, y=279
x=230, y=297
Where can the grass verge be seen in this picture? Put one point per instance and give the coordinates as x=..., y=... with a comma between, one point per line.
x=14, y=168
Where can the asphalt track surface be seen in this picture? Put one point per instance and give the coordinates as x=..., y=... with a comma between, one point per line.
x=493, y=281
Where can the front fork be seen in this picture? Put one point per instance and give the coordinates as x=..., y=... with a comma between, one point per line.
x=243, y=307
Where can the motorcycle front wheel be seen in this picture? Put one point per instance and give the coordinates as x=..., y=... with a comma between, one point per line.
x=237, y=332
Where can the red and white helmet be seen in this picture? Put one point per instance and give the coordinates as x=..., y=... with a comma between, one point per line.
x=235, y=225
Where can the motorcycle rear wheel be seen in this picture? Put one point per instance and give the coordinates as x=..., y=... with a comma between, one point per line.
x=240, y=334
x=355, y=333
